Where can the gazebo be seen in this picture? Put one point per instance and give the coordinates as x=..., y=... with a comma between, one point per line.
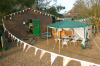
x=81, y=29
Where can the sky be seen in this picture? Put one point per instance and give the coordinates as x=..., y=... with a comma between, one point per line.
x=67, y=3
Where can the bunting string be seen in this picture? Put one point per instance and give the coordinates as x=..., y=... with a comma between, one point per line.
x=53, y=55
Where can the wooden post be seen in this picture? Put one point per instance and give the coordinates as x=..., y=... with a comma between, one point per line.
x=47, y=35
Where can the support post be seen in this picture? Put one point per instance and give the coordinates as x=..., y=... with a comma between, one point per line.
x=47, y=36
x=59, y=41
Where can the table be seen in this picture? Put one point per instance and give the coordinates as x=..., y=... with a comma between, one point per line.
x=68, y=36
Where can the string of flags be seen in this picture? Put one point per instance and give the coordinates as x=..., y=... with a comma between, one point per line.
x=65, y=61
x=19, y=12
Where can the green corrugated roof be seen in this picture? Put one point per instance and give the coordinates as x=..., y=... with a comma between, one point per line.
x=68, y=24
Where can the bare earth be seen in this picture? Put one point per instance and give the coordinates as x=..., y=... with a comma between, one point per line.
x=15, y=56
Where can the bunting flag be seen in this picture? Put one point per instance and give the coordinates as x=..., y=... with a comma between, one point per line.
x=28, y=48
x=42, y=53
x=31, y=9
x=14, y=39
x=20, y=44
x=66, y=61
x=17, y=41
x=23, y=10
x=4, y=27
x=34, y=10
x=10, y=14
x=2, y=20
x=14, y=13
x=85, y=64
x=26, y=9
x=50, y=15
x=10, y=17
x=20, y=11
x=36, y=49
x=24, y=46
x=40, y=12
x=7, y=15
x=53, y=57
x=8, y=33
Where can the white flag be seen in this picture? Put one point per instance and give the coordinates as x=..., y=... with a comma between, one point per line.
x=66, y=61
x=53, y=57
x=36, y=49
x=24, y=46
x=17, y=41
x=42, y=53
x=86, y=64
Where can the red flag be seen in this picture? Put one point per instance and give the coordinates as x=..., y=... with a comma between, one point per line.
x=28, y=48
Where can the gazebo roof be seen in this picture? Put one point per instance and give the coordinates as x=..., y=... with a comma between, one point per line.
x=68, y=24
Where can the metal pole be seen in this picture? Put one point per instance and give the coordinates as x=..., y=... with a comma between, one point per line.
x=47, y=36
x=59, y=41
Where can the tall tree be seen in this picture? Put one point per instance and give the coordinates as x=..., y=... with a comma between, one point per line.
x=8, y=6
x=81, y=8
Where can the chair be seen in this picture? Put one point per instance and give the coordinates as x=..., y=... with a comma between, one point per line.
x=74, y=40
x=64, y=42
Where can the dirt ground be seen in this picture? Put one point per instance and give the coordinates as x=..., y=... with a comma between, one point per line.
x=15, y=56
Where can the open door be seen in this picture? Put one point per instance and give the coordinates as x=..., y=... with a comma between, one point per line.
x=35, y=23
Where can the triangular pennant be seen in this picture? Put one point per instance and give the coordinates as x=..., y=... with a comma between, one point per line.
x=20, y=43
x=53, y=57
x=66, y=61
x=85, y=64
x=34, y=10
x=31, y=9
x=36, y=49
x=17, y=41
x=24, y=46
x=14, y=13
x=26, y=9
x=14, y=39
x=17, y=12
x=7, y=15
x=8, y=33
x=10, y=14
x=42, y=53
x=50, y=15
x=2, y=20
x=23, y=10
x=20, y=11
x=28, y=48
x=40, y=12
